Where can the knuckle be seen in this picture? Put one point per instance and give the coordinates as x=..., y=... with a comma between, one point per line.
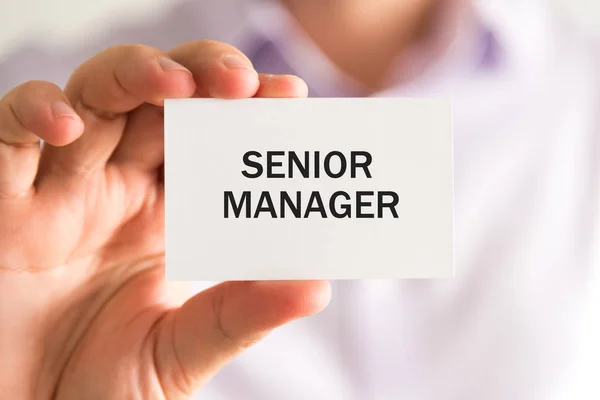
x=221, y=48
x=207, y=46
x=234, y=339
x=32, y=89
x=135, y=51
x=211, y=44
x=217, y=308
x=35, y=85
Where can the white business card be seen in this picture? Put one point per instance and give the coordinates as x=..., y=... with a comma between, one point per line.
x=260, y=189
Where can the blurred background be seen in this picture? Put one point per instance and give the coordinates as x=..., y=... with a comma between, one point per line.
x=65, y=23
x=61, y=22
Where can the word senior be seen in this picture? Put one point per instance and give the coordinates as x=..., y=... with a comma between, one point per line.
x=314, y=165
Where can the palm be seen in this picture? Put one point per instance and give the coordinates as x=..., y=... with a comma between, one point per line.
x=84, y=309
x=98, y=268
x=114, y=214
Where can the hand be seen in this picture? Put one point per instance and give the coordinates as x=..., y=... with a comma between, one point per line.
x=84, y=309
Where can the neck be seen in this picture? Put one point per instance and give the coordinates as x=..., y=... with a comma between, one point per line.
x=363, y=38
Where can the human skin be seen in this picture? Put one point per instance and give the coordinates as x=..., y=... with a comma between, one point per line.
x=364, y=38
x=85, y=312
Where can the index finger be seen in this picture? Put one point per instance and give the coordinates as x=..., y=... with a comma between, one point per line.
x=102, y=91
x=220, y=70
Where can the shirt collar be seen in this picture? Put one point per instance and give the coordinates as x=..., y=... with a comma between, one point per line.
x=463, y=40
x=269, y=21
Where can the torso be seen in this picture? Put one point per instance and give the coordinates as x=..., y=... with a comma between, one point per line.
x=511, y=325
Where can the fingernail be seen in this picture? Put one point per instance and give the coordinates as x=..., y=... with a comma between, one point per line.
x=60, y=109
x=169, y=65
x=233, y=61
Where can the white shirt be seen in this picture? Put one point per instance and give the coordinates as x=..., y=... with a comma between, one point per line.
x=516, y=322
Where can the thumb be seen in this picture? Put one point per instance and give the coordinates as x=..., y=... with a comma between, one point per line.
x=193, y=342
